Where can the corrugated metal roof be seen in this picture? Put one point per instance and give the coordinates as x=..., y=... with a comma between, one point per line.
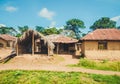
x=7, y=37
x=61, y=39
x=103, y=34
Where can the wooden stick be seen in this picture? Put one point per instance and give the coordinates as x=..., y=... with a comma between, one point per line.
x=33, y=43
x=57, y=48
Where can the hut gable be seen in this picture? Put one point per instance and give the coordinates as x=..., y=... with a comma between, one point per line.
x=103, y=34
x=61, y=39
x=27, y=42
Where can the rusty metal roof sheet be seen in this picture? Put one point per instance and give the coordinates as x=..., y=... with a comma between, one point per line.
x=8, y=37
x=103, y=34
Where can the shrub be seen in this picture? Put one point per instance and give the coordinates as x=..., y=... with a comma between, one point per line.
x=86, y=63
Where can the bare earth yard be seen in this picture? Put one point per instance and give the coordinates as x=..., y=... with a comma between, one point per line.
x=42, y=62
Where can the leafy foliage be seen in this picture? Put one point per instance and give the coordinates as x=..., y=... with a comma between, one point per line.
x=103, y=23
x=75, y=25
x=40, y=29
x=7, y=30
x=48, y=31
x=23, y=29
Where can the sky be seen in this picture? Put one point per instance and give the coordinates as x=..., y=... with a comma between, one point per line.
x=50, y=13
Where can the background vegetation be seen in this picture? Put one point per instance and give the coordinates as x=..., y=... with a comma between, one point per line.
x=72, y=28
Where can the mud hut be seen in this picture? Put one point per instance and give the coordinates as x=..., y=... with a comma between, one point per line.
x=7, y=41
x=34, y=42
x=102, y=44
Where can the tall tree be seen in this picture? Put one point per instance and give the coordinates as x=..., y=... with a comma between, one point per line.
x=75, y=25
x=23, y=29
x=103, y=23
x=8, y=30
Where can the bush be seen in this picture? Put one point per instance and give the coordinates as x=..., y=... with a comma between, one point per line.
x=104, y=65
x=86, y=63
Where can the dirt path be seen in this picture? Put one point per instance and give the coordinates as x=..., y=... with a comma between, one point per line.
x=29, y=62
x=57, y=68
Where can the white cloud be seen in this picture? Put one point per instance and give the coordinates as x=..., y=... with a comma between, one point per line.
x=2, y=25
x=45, y=13
x=116, y=18
x=11, y=9
x=53, y=23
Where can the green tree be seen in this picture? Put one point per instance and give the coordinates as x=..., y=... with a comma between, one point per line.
x=49, y=31
x=8, y=30
x=23, y=29
x=103, y=23
x=75, y=25
x=40, y=29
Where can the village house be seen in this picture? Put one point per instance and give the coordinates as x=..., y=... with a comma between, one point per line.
x=7, y=41
x=64, y=44
x=101, y=44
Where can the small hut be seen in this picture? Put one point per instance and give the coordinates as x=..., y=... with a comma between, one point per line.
x=64, y=44
x=34, y=42
x=7, y=41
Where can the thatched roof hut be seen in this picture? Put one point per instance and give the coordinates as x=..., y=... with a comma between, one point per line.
x=27, y=42
x=63, y=44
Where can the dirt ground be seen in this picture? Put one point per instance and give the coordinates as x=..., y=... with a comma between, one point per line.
x=4, y=52
x=38, y=59
x=44, y=62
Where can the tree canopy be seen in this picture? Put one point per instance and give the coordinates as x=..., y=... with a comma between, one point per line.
x=40, y=29
x=103, y=23
x=23, y=29
x=75, y=25
x=8, y=30
x=48, y=31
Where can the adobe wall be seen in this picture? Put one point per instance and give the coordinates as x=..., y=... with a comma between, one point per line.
x=90, y=50
x=3, y=42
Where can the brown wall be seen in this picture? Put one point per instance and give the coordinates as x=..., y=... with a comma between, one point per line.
x=113, y=45
x=90, y=50
x=3, y=42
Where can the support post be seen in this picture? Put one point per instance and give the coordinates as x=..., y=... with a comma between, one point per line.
x=48, y=51
x=17, y=49
x=33, y=43
x=57, y=48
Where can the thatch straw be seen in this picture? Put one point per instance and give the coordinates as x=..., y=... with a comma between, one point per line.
x=28, y=35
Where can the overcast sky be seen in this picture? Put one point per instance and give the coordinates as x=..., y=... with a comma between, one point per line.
x=56, y=12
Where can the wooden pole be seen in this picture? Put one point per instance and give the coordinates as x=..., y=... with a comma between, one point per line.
x=57, y=48
x=17, y=49
x=33, y=43
x=48, y=51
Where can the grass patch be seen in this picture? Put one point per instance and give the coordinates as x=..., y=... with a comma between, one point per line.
x=100, y=65
x=48, y=77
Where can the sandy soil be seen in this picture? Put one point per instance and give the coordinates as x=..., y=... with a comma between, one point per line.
x=43, y=62
x=4, y=52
